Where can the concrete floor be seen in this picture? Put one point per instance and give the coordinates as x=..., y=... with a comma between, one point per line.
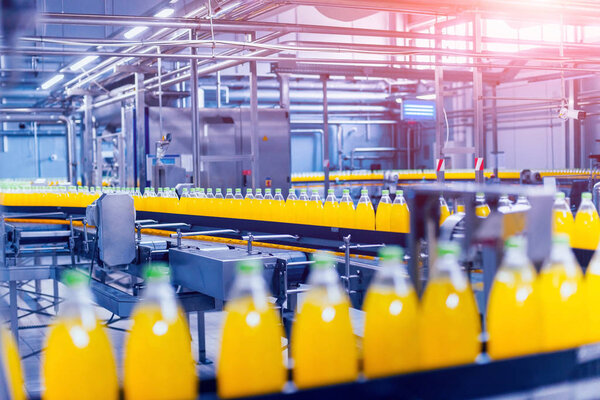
x=33, y=328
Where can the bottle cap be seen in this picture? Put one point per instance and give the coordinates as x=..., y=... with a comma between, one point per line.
x=515, y=242
x=249, y=266
x=303, y=191
x=560, y=195
x=364, y=191
x=73, y=278
x=278, y=191
x=586, y=196
x=445, y=248
x=268, y=190
x=258, y=191
x=560, y=238
x=400, y=192
x=218, y=190
x=201, y=190
x=238, y=190
x=391, y=253
x=323, y=260
x=480, y=194
x=330, y=191
x=229, y=190
x=157, y=272
x=385, y=192
x=248, y=190
x=346, y=191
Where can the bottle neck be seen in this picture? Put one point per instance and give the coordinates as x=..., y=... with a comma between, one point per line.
x=251, y=285
x=447, y=267
x=79, y=305
x=161, y=294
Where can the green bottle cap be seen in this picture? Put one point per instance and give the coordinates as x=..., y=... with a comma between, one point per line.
x=238, y=190
x=157, y=272
x=201, y=190
x=323, y=260
x=303, y=191
x=229, y=190
x=391, y=253
x=445, y=248
x=268, y=191
x=248, y=190
x=480, y=194
x=560, y=238
x=278, y=191
x=258, y=191
x=218, y=190
x=346, y=191
x=586, y=195
x=249, y=267
x=330, y=191
x=385, y=192
x=400, y=192
x=560, y=195
x=73, y=278
x=364, y=191
x=515, y=242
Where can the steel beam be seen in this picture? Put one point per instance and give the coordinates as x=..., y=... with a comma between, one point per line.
x=87, y=144
x=194, y=104
x=478, y=121
x=324, y=79
x=254, y=120
x=140, y=131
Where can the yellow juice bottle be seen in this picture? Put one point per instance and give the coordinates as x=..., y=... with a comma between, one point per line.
x=315, y=209
x=383, y=217
x=258, y=204
x=248, y=206
x=322, y=343
x=200, y=202
x=444, y=210
x=251, y=361
x=302, y=208
x=346, y=212
x=562, y=217
x=78, y=362
x=586, y=232
x=158, y=361
x=513, y=311
x=562, y=295
x=238, y=204
x=331, y=210
x=185, y=202
x=291, y=207
x=279, y=212
x=218, y=204
x=391, y=311
x=210, y=209
x=449, y=325
x=400, y=214
x=364, y=214
x=11, y=365
x=592, y=285
x=482, y=210
x=268, y=206
x=228, y=208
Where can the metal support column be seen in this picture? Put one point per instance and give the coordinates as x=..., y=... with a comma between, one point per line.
x=202, y=339
x=254, y=117
x=495, y=132
x=14, y=318
x=87, y=146
x=195, y=116
x=140, y=131
x=478, y=122
x=440, y=118
x=324, y=79
x=573, y=126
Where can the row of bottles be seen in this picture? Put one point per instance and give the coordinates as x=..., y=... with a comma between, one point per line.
x=584, y=229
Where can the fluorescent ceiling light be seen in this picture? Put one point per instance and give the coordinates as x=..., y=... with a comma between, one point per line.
x=135, y=31
x=430, y=96
x=165, y=12
x=82, y=63
x=52, y=81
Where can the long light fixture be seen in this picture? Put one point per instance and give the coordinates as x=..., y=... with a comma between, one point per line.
x=133, y=32
x=429, y=96
x=53, y=81
x=82, y=63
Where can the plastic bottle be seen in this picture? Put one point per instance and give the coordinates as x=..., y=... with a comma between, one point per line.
x=238, y=204
x=78, y=362
x=391, y=310
x=400, y=214
x=291, y=207
x=592, y=284
x=331, y=210
x=258, y=203
x=383, y=217
x=365, y=215
x=449, y=320
x=302, y=208
x=504, y=204
x=251, y=361
x=11, y=361
x=564, y=312
x=482, y=210
x=562, y=217
x=522, y=204
x=158, y=361
x=323, y=345
x=228, y=209
x=315, y=209
x=586, y=232
x=267, y=206
x=249, y=209
x=278, y=206
x=444, y=210
x=513, y=314
x=346, y=210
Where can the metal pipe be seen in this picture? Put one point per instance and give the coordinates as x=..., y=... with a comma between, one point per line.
x=344, y=122
x=254, y=145
x=36, y=150
x=369, y=150
x=324, y=79
x=195, y=117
